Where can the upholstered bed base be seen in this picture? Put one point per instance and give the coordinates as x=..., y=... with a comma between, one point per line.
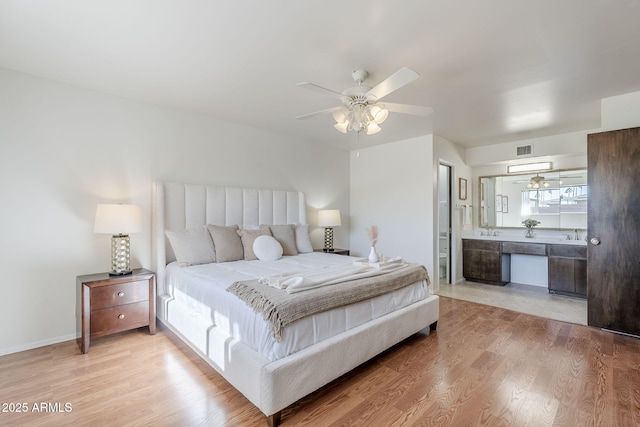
x=269, y=385
x=272, y=386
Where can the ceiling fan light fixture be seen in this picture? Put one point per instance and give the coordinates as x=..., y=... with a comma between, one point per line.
x=342, y=127
x=340, y=116
x=373, y=128
x=379, y=114
x=537, y=181
x=358, y=118
x=356, y=126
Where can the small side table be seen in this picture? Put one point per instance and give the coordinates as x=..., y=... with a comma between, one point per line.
x=109, y=304
x=335, y=251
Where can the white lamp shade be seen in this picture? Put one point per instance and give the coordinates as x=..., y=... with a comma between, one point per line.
x=379, y=114
x=373, y=128
x=329, y=218
x=342, y=127
x=340, y=116
x=118, y=219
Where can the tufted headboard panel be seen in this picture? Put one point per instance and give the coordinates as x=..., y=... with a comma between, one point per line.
x=177, y=206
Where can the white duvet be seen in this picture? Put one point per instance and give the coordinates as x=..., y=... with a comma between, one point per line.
x=200, y=299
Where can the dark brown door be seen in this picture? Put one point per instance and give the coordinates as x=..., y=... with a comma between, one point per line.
x=613, y=254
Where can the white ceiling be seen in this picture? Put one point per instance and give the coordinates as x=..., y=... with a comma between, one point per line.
x=493, y=70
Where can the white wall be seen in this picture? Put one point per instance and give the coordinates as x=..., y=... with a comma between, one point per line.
x=555, y=146
x=620, y=112
x=392, y=186
x=65, y=149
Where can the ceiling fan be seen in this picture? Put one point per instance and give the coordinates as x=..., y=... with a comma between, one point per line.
x=361, y=109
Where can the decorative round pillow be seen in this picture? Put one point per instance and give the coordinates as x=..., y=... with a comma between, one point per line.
x=267, y=248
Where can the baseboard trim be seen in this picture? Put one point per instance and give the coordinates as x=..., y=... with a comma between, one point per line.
x=620, y=333
x=36, y=344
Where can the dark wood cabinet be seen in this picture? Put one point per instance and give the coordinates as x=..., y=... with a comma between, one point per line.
x=489, y=261
x=524, y=248
x=568, y=270
x=482, y=261
x=109, y=304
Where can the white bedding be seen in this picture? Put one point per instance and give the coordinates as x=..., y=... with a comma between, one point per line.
x=199, y=293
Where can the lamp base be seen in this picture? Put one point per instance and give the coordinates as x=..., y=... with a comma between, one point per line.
x=120, y=249
x=120, y=273
x=328, y=239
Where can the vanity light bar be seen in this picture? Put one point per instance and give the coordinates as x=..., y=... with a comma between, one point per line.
x=529, y=167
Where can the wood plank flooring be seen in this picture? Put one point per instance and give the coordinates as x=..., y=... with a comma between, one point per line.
x=483, y=366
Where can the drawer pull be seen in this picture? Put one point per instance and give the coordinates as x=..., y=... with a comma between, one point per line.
x=121, y=316
x=120, y=294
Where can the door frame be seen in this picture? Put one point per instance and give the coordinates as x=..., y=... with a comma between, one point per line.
x=451, y=263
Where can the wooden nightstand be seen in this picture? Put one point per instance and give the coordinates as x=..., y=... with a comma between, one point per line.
x=109, y=304
x=335, y=251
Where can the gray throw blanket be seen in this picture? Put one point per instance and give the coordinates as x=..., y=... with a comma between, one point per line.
x=278, y=308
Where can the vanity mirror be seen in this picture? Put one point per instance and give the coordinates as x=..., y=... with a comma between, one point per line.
x=558, y=199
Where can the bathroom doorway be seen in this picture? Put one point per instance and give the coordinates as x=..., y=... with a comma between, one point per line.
x=444, y=223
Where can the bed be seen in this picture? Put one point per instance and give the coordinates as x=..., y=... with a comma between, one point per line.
x=271, y=372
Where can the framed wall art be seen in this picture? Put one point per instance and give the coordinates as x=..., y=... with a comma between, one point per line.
x=462, y=188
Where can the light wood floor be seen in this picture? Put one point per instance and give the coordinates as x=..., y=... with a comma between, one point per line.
x=484, y=366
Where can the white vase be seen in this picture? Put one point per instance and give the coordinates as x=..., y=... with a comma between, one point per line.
x=373, y=256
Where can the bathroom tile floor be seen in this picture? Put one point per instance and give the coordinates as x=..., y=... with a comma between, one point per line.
x=535, y=300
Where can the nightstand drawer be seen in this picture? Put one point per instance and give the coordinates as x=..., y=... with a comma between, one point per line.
x=108, y=304
x=118, y=294
x=120, y=318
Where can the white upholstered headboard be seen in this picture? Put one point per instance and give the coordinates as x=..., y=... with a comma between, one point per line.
x=178, y=206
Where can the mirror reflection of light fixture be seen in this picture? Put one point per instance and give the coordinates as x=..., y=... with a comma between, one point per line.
x=118, y=220
x=360, y=116
x=536, y=182
x=328, y=219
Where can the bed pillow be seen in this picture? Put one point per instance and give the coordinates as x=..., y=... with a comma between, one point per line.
x=247, y=237
x=192, y=246
x=303, y=241
x=286, y=236
x=226, y=242
x=267, y=248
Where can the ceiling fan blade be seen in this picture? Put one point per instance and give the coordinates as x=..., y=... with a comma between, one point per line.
x=322, y=90
x=400, y=78
x=415, y=110
x=318, y=113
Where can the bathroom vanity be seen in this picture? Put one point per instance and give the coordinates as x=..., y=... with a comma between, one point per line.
x=487, y=259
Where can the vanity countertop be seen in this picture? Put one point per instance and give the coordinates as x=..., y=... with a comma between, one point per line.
x=542, y=239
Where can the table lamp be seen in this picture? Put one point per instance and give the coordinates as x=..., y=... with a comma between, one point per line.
x=328, y=219
x=118, y=220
